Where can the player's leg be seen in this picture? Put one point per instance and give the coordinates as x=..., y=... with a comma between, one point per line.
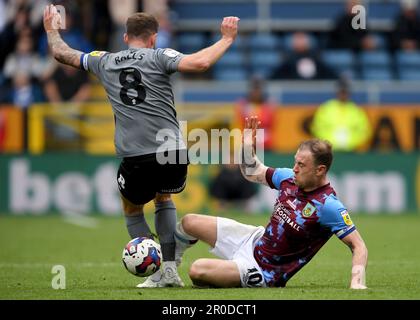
x=215, y=273
x=196, y=226
x=165, y=223
x=230, y=240
x=133, y=200
x=134, y=218
x=171, y=179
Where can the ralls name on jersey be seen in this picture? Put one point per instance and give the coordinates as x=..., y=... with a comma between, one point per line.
x=131, y=56
x=282, y=214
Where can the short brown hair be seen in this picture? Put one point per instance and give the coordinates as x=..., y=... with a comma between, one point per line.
x=321, y=151
x=142, y=25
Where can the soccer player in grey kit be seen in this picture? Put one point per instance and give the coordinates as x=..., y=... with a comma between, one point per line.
x=138, y=86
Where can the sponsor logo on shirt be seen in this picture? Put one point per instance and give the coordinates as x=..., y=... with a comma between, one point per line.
x=291, y=204
x=97, y=53
x=283, y=215
x=308, y=210
x=171, y=53
x=346, y=218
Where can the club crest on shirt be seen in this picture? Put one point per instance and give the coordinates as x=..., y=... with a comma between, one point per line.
x=308, y=210
x=346, y=218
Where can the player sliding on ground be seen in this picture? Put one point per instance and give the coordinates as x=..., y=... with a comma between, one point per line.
x=306, y=214
x=138, y=86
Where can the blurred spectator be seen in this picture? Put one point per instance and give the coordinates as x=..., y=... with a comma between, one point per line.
x=342, y=122
x=19, y=16
x=231, y=189
x=3, y=18
x=120, y=10
x=67, y=84
x=344, y=36
x=160, y=9
x=257, y=104
x=407, y=27
x=164, y=37
x=72, y=34
x=24, y=69
x=302, y=63
x=98, y=24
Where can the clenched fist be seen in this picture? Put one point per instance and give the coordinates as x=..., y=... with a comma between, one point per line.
x=229, y=27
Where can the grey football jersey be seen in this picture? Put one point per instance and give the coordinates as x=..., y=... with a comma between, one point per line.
x=138, y=86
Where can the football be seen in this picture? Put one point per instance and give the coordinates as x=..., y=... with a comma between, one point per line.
x=142, y=256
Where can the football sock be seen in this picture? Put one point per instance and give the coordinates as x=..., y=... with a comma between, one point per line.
x=137, y=226
x=165, y=223
x=183, y=236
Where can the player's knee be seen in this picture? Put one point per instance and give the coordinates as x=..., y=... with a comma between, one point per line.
x=198, y=270
x=189, y=222
x=131, y=209
x=162, y=197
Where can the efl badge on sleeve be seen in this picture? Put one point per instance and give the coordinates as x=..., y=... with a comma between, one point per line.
x=346, y=218
x=97, y=53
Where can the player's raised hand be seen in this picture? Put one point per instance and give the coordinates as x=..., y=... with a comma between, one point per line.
x=52, y=19
x=250, y=133
x=229, y=27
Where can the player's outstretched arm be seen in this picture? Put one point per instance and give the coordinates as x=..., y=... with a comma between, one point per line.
x=251, y=167
x=359, y=261
x=204, y=59
x=60, y=50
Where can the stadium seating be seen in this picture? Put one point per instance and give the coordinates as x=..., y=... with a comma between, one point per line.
x=375, y=59
x=377, y=74
x=410, y=59
x=191, y=42
x=240, y=43
x=342, y=61
x=281, y=15
x=409, y=75
x=376, y=65
x=263, y=62
x=264, y=42
x=230, y=74
x=232, y=66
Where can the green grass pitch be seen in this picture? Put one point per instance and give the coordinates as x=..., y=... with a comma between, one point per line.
x=91, y=255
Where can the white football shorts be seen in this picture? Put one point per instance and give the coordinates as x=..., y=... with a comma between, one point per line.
x=236, y=241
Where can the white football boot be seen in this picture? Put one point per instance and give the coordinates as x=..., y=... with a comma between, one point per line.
x=153, y=281
x=171, y=277
x=167, y=276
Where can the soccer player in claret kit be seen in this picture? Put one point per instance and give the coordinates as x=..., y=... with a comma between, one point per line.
x=137, y=82
x=306, y=214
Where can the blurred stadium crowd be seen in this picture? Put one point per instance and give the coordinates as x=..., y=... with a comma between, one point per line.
x=29, y=74
x=300, y=65
x=302, y=48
